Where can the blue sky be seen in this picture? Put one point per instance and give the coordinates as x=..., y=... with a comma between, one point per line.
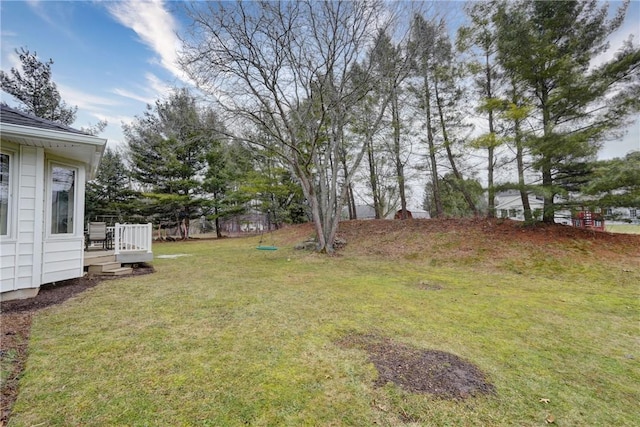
x=112, y=58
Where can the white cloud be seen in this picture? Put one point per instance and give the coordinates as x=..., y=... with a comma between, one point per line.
x=83, y=100
x=155, y=89
x=11, y=59
x=628, y=143
x=136, y=96
x=159, y=87
x=156, y=28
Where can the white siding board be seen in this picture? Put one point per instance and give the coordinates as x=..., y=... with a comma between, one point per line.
x=25, y=259
x=28, y=203
x=28, y=156
x=6, y=282
x=24, y=283
x=27, y=216
x=26, y=221
x=29, y=169
x=24, y=271
x=26, y=237
x=38, y=230
x=28, y=181
x=58, y=276
x=68, y=265
x=28, y=193
x=8, y=266
x=25, y=249
x=7, y=261
x=7, y=272
x=62, y=260
x=26, y=227
x=7, y=249
x=67, y=245
x=62, y=256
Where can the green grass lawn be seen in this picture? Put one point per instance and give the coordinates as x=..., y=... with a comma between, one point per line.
x=231, y=336
x=623, y=228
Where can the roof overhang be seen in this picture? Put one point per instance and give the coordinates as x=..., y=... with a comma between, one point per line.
x=83, y=148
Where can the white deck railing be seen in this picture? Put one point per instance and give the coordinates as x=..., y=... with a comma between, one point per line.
x=132, y=238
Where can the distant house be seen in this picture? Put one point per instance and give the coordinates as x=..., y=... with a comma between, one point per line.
x=44, y=168
x=420, y=213
x=508, y=204
x=625, y=215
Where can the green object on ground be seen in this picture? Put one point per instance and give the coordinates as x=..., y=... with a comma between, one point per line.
x=267, y=248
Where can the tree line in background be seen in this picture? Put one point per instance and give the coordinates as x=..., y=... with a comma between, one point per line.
x=318, y=106
x=178, y=166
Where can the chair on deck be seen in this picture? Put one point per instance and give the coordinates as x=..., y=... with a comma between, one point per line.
x=97, y=232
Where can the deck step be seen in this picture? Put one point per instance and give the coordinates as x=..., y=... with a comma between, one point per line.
x=101, y=267
x=120, y=271
x=98, y=259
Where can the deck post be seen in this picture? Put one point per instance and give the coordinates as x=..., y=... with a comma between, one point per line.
x=149, y=237
x=116, y=238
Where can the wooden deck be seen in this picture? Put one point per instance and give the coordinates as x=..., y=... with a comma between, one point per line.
x=98, y=255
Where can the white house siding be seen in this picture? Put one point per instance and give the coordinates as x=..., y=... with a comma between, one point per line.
x=62, y=260
x=30, y=255
x=7, y=266
x=26, y=261
x=31, y=185
x=19, y=264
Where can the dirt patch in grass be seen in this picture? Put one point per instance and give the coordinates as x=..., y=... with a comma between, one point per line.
x=434, y=372
x=428, y=286
x=15, y=328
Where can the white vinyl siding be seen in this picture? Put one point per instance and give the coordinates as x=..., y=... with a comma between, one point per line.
x=7, y=266
x=62, y=260
x=19, y=265
x=40, y=244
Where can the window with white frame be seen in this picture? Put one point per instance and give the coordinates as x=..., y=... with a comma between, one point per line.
x=5, y=192
x=63, y=194
x=633, y=213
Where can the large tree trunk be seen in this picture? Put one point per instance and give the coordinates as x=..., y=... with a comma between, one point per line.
x=351, y=202
x=491, y=191
x=217, y=222
x=524, y=194
x=373, y=179
x=447, y=145
x=548, y=211
x=395, y=123
x=437, y=199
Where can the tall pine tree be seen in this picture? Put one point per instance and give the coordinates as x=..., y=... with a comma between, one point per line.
x=549, y=47
x=35, y=90
x=168, y=146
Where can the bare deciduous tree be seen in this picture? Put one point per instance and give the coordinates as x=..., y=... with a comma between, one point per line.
x=283, y=69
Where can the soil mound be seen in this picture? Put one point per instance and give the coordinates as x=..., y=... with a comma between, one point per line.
x=480, y=239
